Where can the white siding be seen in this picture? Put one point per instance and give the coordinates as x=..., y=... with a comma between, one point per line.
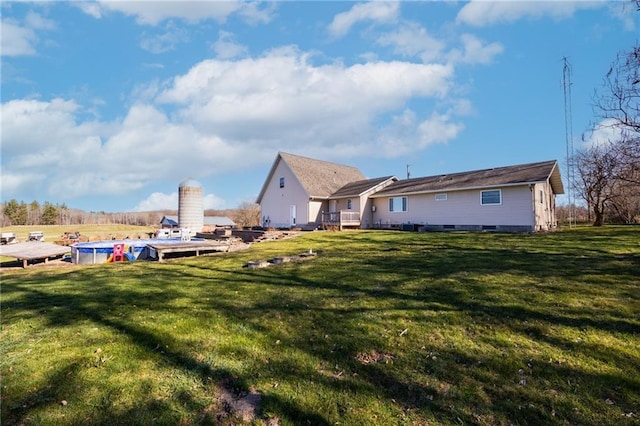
x=544, y=207
x=315, y=211
x=276, y=201
x=460, y=208
x=341, y=204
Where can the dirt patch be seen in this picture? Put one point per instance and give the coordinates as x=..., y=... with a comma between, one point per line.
x=375, y=357
x=241, y=409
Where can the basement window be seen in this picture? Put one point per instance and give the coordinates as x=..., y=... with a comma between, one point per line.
x=491, y=198
x=398, y=204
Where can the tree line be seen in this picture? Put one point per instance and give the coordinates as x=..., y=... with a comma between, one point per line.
x=15, y=212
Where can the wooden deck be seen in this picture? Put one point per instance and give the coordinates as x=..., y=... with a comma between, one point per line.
x=33, y=250
x=197, y=248
x=341, y=219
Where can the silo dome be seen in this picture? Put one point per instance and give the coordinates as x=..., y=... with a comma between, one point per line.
x=190, y=205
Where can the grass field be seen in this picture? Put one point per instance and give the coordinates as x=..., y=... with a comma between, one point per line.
x=379, y=328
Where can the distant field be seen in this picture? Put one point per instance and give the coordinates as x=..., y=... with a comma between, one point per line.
x=379, y=328
x=54, y=232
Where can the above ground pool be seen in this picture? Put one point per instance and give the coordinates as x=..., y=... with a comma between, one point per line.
x=103, y=251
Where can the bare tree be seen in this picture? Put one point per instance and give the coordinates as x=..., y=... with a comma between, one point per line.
x=247, y=214
x=609, y=172
x=597, y=168
x=617, y=105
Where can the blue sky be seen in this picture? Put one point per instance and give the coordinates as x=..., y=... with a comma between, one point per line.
x=109, y=105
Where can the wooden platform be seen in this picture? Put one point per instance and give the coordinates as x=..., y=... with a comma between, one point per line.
x=185, y=247
x=33, y=250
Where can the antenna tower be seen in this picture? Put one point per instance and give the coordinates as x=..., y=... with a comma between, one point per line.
x=568, y=124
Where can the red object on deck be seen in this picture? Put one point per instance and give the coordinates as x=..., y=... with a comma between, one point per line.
x=118, y=253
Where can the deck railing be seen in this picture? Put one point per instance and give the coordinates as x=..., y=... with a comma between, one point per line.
x=340, y=219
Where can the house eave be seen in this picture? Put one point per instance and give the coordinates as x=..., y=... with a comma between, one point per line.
x=369, y=190
x=441, y=190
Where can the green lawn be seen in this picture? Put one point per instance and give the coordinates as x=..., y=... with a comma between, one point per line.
x=379, y=328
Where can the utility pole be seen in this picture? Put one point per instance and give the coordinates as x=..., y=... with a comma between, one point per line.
x=568, y=124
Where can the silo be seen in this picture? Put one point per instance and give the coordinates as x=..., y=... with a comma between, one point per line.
x=190, y=205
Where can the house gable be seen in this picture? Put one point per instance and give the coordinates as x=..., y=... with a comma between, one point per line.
x=319, y=178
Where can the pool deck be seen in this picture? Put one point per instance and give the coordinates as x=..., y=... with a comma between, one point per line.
x=196, y=247
x=36, y=251
x=33, y=250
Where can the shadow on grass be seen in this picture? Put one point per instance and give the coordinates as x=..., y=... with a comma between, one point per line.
x=354, y=302
x=63, y=309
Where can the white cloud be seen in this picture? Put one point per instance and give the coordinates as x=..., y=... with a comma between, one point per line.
x=37, y=22
x=474, y=51
x=226, y=47
x=412, y=39
x=91, y=9
x=153, y=12
x=603, y=133
x=257, y=12
x=21, y=39
x=380, y=12
x=405, y=134
x=158, y=201
x=162, y=201
x=480, y=13
x=38, y=135
x=166, y=41
x=17, y=40
x=281, y=101
x=29, y=126
x=438, y=128
x=211, y=201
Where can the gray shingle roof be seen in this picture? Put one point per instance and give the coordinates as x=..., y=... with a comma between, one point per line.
x=319, y=178
x=169, y=221
x=500, y=176
x=355, y=189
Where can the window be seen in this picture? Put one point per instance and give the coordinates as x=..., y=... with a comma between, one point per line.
x=398, y=204
x=281, y=182
x=441, y=197
x=492, y=197
x=541, y=197
x=348, y=204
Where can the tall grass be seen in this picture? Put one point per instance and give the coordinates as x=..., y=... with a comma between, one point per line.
x=379, y=328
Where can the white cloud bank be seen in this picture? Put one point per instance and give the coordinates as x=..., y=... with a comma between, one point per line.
x=481, y=13
x=222, y=116
x=154, y=12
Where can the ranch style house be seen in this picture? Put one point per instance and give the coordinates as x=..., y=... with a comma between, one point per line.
x=308, y=193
